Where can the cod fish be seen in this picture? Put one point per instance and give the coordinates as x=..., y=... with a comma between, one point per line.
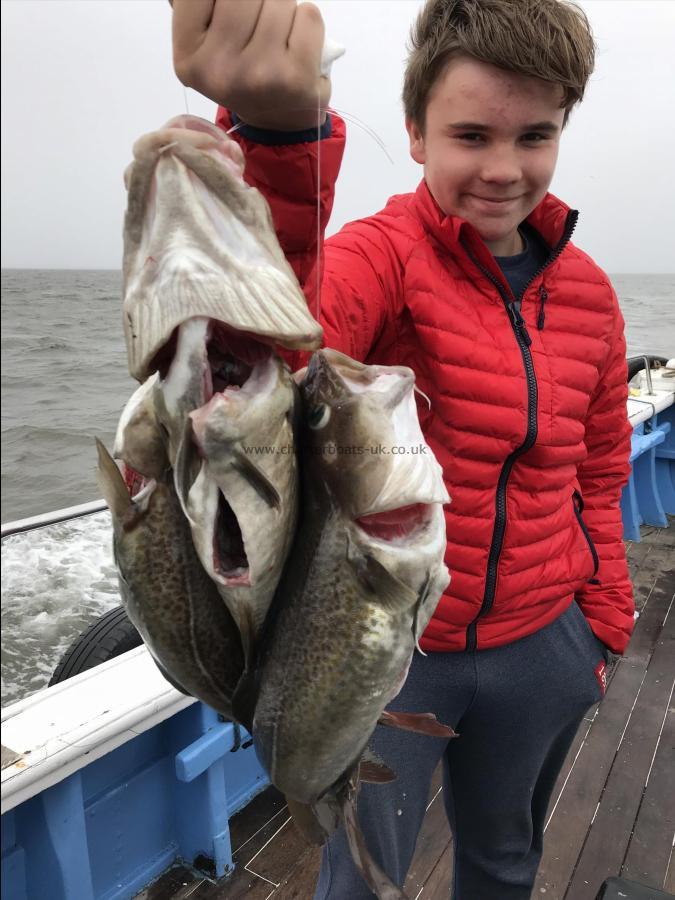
x=166, y=592
x=207, y=294
x=199, y=242
x=242, y=503
x=363, y=578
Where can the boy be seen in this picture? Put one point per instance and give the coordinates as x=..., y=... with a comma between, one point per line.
x=516, y=337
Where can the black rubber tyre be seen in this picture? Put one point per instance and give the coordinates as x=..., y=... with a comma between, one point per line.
x=107, y=637
x=637, y=363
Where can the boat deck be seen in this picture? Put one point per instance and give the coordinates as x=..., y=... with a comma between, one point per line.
x=612, y=812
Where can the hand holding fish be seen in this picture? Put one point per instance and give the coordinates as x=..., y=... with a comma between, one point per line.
x=261, y=59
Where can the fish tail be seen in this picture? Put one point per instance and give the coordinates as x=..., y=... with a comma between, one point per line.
x=379, y=883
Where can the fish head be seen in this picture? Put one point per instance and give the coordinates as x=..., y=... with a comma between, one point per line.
x=362, y=437
x=199, y=241
x=140, y=439
x=250, y=397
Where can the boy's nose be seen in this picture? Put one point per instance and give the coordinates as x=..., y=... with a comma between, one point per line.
x=502, y=167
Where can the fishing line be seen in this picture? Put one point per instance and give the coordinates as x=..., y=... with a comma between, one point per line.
x=318, y=201
x=187, y=111
x=348, y=117
x=420, y=391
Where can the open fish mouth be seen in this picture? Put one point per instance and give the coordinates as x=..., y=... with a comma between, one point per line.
x=232, y=357
x=234, y=363
x=399, y=525
x=229, y=555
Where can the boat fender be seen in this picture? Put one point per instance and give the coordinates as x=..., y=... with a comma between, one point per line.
x=110, y=635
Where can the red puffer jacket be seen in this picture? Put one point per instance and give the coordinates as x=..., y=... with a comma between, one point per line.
x=528, y=414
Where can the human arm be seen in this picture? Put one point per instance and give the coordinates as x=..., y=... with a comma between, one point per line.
x=356, y=295
x=607, y=600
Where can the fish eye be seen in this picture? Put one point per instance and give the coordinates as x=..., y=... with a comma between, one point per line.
x=318, y=416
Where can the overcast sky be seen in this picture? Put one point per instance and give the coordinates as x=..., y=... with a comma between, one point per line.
x=82, y=79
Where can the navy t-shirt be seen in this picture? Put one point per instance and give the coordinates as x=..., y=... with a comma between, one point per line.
x=519, y=269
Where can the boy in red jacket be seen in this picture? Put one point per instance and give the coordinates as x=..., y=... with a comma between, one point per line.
x=516, y=337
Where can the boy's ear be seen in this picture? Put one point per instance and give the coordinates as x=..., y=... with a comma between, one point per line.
x=417, y=150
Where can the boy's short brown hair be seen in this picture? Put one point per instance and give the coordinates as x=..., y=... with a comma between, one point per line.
x=547, y=39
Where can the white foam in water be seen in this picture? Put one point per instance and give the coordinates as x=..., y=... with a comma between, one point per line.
x=56, y=581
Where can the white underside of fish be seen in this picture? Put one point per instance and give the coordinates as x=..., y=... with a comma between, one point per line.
x=200, y=242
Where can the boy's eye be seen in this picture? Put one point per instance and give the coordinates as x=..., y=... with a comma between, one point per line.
x=534, y=137
x=471, y=136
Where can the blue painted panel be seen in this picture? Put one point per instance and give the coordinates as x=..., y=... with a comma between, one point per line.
x=244, y=777
x=64, y=814
x=135, y=881
x=14, y=874
x=109, y=830
x=115, y=768
x=665, y=461
x=13, y=861
x=50, y=829
x=131, y=824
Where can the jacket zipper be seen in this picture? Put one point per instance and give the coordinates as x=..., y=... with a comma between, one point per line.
x=578, y=502
x=524, y=341
x=543, y=297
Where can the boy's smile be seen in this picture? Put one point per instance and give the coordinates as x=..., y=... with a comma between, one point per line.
x=489, y=147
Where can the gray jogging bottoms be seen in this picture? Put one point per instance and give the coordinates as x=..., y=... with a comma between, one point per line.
x=516, y=709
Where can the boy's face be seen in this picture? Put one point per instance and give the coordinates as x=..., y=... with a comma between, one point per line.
x=489, y=147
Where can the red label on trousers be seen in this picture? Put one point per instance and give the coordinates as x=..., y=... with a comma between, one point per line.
x=601, y=675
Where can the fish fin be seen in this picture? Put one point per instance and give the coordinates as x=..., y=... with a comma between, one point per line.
x=391, y=591
x=422, y=723
x=255, y=476
x=112, y=484
x=244, y=698
x=307, y=822
x=184, y=473
x=379, y=883
x=373, y=770
x=243, y=616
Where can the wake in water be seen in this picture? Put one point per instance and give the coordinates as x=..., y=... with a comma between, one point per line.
x=55, y=582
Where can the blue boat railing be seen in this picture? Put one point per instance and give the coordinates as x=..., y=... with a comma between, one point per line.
x=649, y=496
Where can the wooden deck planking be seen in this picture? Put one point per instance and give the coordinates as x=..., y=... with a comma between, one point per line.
x=611, y=813
x=652, y=841
x=432, y=842
x=607, y=841
x=590, y=772
x=438, y=884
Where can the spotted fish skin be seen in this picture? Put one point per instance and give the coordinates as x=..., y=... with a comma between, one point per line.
x=166, y=592
x=336, y=658
x=350, y=606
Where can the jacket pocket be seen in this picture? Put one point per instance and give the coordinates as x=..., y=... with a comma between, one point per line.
x=578, y=503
